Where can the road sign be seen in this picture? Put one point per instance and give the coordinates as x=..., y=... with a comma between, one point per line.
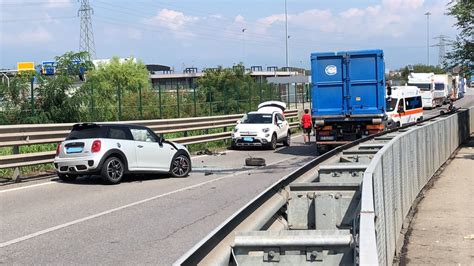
x=25, y=66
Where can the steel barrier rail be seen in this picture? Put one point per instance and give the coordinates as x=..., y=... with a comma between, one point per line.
x=395, y=165
x=19, y=135
x=393, y=180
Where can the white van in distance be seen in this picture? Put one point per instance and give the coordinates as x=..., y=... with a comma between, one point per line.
x=404, y=105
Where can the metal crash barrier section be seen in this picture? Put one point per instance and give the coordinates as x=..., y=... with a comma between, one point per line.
x=397, y=174
x=344, y=207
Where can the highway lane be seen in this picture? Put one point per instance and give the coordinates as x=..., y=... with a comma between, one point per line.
x=466, y=101
x=148, y=219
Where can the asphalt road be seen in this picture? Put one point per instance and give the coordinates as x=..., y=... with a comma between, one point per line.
x=145, y=219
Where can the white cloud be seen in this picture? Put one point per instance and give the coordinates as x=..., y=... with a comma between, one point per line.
x=239, y=19
x=134, y=34
x=216, y=16
x=171, y=19
x=53, y=4
x=38, y=35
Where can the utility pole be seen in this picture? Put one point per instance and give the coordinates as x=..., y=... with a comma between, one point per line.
x=427, y=14
x=443, y=39
x=86, y=38
x=286, y=35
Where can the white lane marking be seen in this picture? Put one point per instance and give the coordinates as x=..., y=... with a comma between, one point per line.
x=55, y=228
x=25, y=187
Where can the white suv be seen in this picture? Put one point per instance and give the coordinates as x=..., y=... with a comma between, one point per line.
x=265, y=127
x=113, y=150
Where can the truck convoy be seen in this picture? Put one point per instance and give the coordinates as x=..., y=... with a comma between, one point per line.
x=348, y=96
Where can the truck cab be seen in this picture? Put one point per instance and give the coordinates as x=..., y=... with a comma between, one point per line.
x=431, y=97
x=404, y=106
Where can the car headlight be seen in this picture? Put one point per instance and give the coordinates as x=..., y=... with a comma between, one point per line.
x=235, y=130
x=265, y=130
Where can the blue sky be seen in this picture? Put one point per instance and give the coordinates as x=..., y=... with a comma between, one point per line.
x=207, y=33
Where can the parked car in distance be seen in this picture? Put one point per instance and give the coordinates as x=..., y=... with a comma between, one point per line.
x=113, y=150
x=263, y=128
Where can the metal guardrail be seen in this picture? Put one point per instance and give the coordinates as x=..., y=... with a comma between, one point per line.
x=352, y=208
x=18, y=135
x=397, y=174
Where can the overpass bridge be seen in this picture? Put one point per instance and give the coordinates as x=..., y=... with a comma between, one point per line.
x=156, y=219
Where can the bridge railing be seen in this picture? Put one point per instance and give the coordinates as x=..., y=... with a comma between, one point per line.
x=15, y=136
x=397, y=174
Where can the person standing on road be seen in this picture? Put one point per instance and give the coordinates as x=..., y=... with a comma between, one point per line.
x=307, y=125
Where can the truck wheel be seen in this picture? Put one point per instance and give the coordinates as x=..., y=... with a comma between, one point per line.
x=67, y=177
x=287, y=141
x=112, y=171
x=273, y=143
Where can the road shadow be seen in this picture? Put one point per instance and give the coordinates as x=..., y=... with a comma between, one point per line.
x=97, y=180
x=300, y=150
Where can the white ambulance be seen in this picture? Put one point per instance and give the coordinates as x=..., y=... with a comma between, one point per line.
x=404, y=105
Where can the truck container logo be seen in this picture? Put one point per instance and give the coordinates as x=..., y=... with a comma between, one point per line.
x=331, y=70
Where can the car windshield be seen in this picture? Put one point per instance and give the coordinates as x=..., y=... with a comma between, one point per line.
x=422, y=86
x=391, y=104
x=86, y=132
x=439, y=86
x=257, y=119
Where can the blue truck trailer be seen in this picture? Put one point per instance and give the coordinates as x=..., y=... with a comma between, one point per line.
x=348, y=96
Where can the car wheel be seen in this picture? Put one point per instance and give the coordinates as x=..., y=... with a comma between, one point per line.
x=67, y=177
x=181, y=166
x=287, y=141
x=113, y=170
x=273, y=143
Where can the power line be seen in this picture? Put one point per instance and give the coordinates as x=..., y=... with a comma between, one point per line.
x=443, y=39
x=34, y=19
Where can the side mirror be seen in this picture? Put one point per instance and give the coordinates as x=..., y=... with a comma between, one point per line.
x=280, y=123
x=161, y=139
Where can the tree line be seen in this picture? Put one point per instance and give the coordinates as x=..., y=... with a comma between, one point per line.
x=122, y=91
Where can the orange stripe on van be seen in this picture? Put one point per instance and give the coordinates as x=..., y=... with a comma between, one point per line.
x=410, y=112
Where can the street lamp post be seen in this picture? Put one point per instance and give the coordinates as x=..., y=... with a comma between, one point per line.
x=427, y=14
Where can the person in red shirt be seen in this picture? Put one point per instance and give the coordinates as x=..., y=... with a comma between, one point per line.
x=307, y=125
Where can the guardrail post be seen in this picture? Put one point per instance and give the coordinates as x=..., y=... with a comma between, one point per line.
x=16, y=172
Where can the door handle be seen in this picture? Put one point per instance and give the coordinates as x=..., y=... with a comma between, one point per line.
x=140, y=146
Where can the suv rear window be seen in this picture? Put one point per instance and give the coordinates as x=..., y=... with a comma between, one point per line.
x=86, y=132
